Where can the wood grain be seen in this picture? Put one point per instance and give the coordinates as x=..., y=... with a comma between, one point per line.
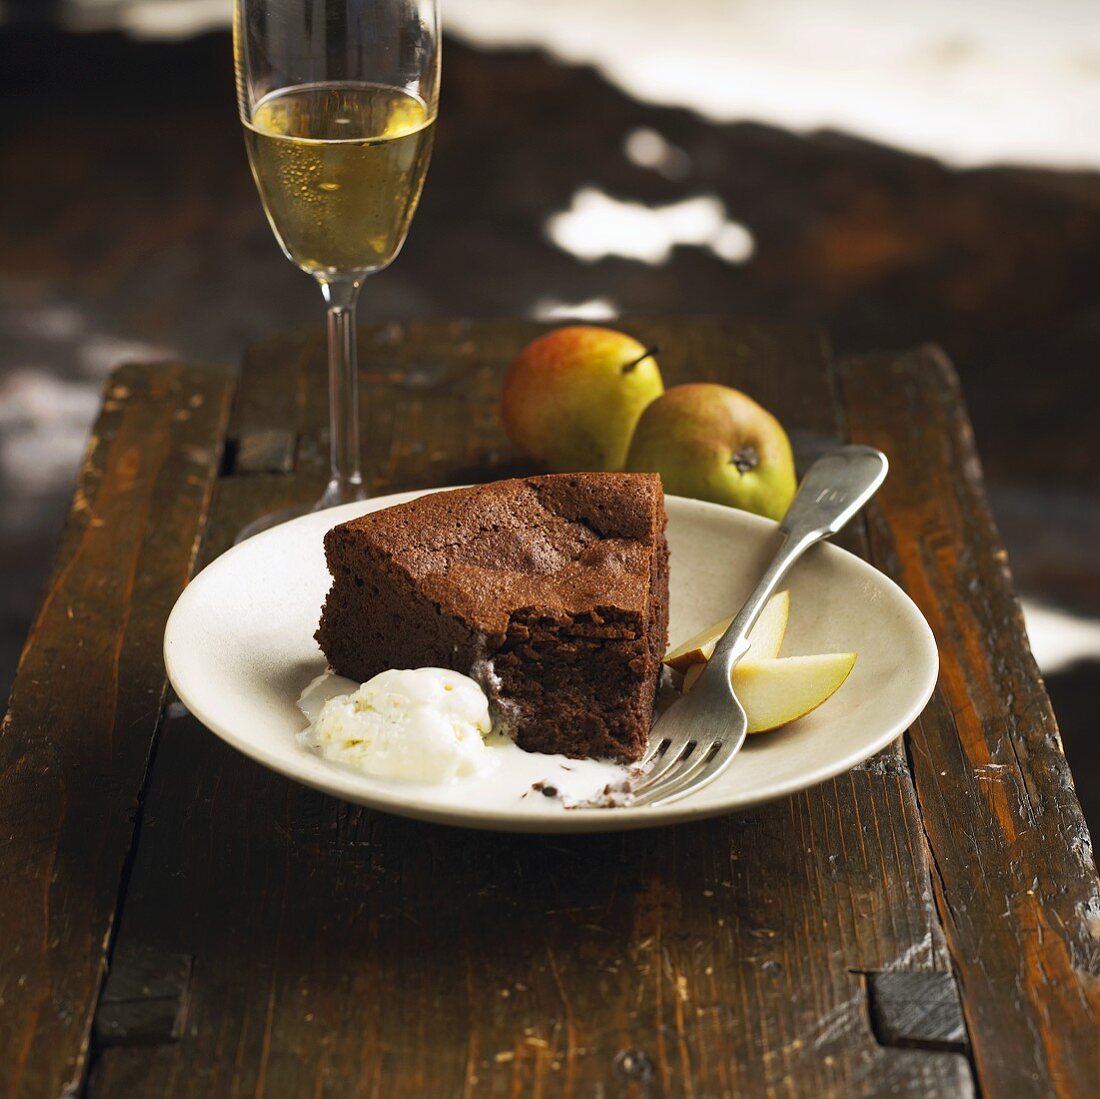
x=341, y=952
x=144, y=998
x=1015, y=877
x=918, y=1010
x=75, y=741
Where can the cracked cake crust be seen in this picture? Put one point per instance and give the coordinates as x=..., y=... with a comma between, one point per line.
x=551, y=591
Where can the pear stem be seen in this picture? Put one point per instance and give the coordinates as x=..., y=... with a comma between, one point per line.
x=648, y=353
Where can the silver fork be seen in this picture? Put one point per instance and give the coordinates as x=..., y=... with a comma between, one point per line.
x=696, y=738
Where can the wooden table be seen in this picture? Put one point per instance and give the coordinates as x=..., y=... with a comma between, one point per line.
x=176, y=921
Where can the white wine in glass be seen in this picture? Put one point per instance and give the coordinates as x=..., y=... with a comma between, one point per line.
x=339, y=168
x=338, y=100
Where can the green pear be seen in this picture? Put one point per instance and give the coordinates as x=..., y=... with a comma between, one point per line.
x=715, y=443
x=571, y=398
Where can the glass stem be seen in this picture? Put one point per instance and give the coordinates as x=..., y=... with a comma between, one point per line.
x=346, y=483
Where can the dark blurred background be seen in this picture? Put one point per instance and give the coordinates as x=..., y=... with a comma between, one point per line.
x=896, y=175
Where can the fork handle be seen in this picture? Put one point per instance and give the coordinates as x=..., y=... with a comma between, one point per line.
x=836, y=486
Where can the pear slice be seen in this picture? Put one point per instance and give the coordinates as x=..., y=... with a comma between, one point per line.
x=764, y=640
x=777, y=691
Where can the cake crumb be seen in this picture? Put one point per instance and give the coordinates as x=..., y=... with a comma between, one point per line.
x=614, y=795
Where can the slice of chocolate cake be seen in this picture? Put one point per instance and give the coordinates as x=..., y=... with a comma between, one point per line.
x=552, y=592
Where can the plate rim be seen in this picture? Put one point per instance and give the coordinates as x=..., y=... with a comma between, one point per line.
x=346, y=784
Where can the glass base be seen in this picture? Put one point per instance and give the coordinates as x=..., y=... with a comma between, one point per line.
x=337, y=492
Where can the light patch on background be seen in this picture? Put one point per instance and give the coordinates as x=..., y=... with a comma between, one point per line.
x=95, y=352
x=1060, y=640
x=51, y=322
x=597, y=225
x=969, y=81
x=163, y=19
x=44, y=419
x=972, y=82
x=100, y=353
x=646, y=148
x=43, y=428
x=594, y=309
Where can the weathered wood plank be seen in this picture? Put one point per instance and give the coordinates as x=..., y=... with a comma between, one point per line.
x=75, y=741
x=263, y=451
x=417, y=383
x=343, y=952
x=144, y=997
x=1015, y=877
x=353, y=953
x=919, y=1010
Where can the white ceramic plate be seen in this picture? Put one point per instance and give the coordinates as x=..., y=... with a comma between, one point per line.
x=239, y=650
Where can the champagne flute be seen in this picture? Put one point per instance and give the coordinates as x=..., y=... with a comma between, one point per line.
x=338, y=100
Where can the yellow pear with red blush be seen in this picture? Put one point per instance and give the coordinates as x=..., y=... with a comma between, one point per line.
x=572, y=397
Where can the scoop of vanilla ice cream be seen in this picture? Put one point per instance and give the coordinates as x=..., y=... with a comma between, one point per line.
x=423, y=724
